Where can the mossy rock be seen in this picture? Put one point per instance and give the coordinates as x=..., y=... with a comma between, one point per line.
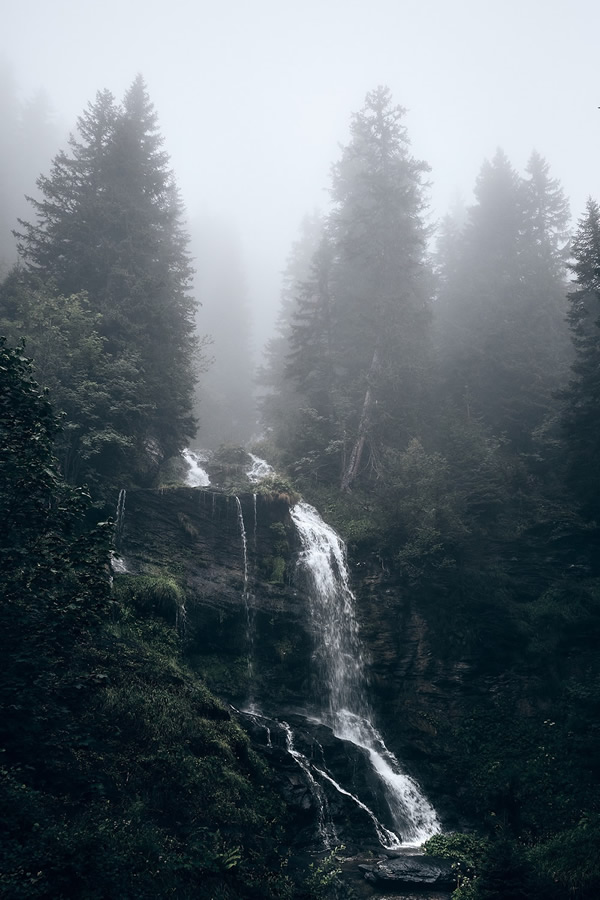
x=158, y=594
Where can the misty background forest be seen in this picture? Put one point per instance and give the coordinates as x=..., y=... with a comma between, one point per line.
x=419, y=361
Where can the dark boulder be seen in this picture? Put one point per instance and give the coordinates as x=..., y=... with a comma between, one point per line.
x=412, y=871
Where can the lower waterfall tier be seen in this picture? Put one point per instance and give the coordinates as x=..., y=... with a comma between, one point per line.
x=235, y=582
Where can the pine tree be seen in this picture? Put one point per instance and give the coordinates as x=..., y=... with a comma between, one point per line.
x=499, y=317
x=98, y=395
x=282, y=403
x=381, y=287
x=581, y=416
x=109, y=224
x=360, y=330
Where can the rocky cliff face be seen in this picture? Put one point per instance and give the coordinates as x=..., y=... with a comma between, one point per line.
x=235, y=558
x=247, y=629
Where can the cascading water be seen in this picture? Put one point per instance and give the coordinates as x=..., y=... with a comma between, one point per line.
x=260, y=469
x=326, y=830
x=196, y=476
x=120, y=516
x=118, y=564
x=338, y=656
x=387, y=838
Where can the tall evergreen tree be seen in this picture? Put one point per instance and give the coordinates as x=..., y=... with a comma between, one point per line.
x=109, y=224
x=499, y=318
x=283, y=402
x=581, y=416
x=367, y=309
x=380, y=286
x=99, y=395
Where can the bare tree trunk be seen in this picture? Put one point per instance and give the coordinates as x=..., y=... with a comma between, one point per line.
x=351, y=470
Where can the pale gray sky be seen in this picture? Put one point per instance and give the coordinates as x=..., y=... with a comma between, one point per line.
x=254, y=96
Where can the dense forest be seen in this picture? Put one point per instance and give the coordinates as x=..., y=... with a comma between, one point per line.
x=434, y=392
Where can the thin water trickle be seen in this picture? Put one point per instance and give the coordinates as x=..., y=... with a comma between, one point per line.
x=340, y=667
x=120, y=515
x=326, y=828
x=247, y=596
x=387, y=838
x=181, y=621
x=118, y=565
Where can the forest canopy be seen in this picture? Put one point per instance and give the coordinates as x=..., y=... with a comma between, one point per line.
x=434, y=391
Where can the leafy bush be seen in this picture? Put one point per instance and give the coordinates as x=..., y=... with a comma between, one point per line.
x=466, y=853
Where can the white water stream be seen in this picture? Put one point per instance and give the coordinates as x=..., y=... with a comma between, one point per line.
x=196, y=476
x=339, y=661
x=327, y=832
x=259, y=469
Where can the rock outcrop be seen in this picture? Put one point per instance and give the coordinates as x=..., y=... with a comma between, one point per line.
x=411, y=871
x=247, y=632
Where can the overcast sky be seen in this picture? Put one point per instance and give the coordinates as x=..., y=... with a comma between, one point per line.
x=255, y=96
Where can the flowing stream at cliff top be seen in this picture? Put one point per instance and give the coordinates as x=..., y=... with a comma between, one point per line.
x=259, y=469
x=196, y=475
x=339, y=660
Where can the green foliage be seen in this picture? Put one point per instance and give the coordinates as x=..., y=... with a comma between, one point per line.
x=568, y=862
x=157, y=594
x=112, y=202
x=46, y=549
x=278, y=570
x=122, y=775
x=176, y=803
x=277, y=487
x=502, y=342
x=581, y=398
x=324, y=876
x=98, y=395
x=355, y=330
x=467, y=853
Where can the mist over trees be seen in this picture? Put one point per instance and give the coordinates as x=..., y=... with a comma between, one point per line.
x=500, y=322
x=359, y=326
x=443, y=407
x=28, y=140
x=436, y=391
x=225, y=398
x=105, y=262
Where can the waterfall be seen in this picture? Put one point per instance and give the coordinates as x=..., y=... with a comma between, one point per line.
x=340, y=667
x=120, y=515
x=387, y=838
x=181, y=620
x=260, y=469
x=117, y=563
x=325, y=825
x=247, y=595
x=196, y=476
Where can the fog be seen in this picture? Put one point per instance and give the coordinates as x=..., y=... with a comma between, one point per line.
x=254, y=98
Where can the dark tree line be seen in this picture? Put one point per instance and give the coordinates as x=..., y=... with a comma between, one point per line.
x=444, y=410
